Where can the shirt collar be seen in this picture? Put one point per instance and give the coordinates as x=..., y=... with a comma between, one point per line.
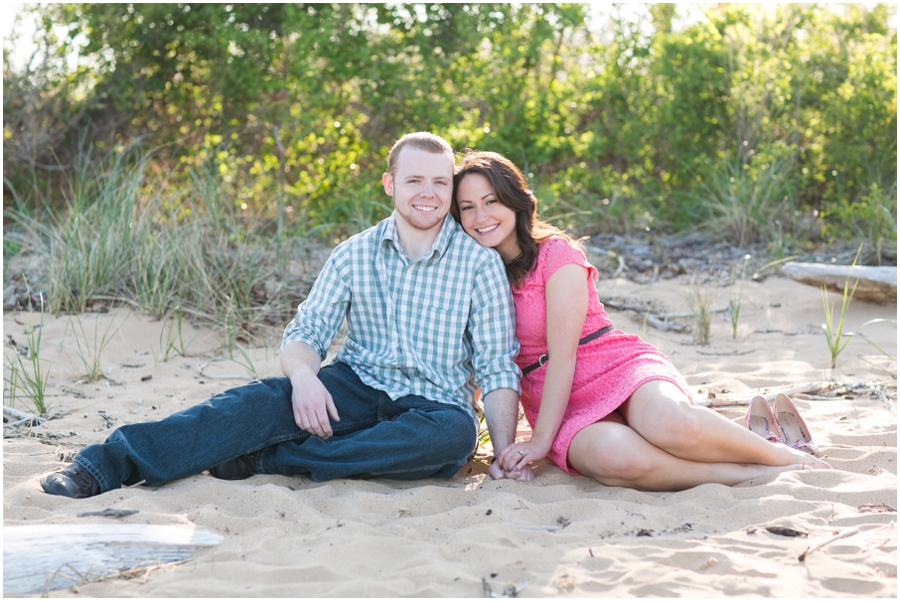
x=448, y=230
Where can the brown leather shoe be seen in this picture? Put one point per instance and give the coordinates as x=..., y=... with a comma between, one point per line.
x=72, y=481
x=239, y=468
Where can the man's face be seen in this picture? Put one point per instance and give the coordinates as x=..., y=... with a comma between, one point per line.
x=421, y=187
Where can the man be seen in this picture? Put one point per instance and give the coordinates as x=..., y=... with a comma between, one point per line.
x=427, y=306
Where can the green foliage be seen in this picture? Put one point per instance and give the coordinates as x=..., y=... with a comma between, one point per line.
x=31, y=379
x=700, y=299
x=88, y=348
x=734, y=305
x=614, y=114
x=745, y=205
x=832, y=329
x=171, y=336
x=872, y=217
x=11, y=249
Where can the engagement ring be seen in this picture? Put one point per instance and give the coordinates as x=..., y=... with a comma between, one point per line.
x=522, y=453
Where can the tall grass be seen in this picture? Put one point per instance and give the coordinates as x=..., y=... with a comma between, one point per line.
x=700, y=300
x=749, y=207
x=734, y=306
x=30, y=380
x=124, y=235
x=89, y=348
x=834, y=328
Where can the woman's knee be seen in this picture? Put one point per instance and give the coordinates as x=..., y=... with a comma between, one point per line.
x=606, y=458
x=681, y=428
x=667, y=418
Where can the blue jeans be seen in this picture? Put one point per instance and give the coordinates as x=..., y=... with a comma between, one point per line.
x=406, y=439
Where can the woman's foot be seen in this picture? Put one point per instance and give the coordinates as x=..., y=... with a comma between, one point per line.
x=796, y=456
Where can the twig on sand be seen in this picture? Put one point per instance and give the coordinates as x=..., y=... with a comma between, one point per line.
x=845, y=534
x=232, y=377
x=548, y=528
x=725, y=353
x=880, y=508
x=107, y=513
x=22, y=416
x=667, y=326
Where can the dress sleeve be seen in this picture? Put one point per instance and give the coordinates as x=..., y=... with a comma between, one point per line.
x=556, y=252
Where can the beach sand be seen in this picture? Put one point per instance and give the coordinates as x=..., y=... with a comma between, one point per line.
x=556, y=536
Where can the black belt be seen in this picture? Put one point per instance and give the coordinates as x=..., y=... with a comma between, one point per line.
x=544, y=358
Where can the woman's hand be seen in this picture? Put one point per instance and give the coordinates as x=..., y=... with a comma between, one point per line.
x=497, y=473
x=517, y=456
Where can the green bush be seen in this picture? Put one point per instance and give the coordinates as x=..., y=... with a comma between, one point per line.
x=614, y=115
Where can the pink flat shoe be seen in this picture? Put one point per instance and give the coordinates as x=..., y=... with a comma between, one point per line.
x=794, y=431
x=760, y=419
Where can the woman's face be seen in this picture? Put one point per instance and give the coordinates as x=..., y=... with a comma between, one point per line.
x=485, y=218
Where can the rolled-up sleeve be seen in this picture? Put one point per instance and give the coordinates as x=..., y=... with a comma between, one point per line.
x=492, y=327
x=320, y=316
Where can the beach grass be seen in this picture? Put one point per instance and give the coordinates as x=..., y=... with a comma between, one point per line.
x=748, y=207
x=700, y=300
x=127, y=235
x=30, y=378
x=734, y=306
x=834, y=328
x=89, y=346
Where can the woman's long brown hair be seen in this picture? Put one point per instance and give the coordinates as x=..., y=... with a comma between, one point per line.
x=512, y=191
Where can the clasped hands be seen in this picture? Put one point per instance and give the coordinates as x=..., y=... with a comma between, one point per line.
x=312, y=405
x=512, y=462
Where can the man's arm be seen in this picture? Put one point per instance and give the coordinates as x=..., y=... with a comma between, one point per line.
x=305, y=345
x=310, y=400
x=492, y=327
x=501, y=412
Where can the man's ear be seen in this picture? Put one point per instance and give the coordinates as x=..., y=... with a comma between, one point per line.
x=388, y=182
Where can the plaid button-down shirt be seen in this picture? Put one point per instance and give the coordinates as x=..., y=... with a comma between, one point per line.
x=421, y=327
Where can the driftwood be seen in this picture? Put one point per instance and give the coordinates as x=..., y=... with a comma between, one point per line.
x=22, y=418
x=716, y=402
x=667, y=326
x=55, y=556
x=876, y=284
x=660, y=321
x=21, y=415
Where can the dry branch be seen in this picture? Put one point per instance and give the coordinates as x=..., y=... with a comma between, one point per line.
x=809, y=550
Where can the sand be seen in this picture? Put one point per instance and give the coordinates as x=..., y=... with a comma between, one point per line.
x=556, y=536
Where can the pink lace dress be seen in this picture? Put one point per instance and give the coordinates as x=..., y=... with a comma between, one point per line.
x=608, y=369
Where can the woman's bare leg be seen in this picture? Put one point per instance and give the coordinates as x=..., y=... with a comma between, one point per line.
x=615, y=455
x=659, y=412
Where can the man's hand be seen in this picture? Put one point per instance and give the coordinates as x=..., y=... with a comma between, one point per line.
x=310, y=400
x=501, y=413
x=523, y=475
x=312, y=405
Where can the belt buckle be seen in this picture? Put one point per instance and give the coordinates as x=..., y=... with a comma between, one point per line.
x=542, y=359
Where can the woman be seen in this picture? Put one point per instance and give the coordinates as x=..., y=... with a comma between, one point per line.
x=604, y=404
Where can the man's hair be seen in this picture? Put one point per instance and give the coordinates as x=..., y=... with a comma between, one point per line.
x=421, y=140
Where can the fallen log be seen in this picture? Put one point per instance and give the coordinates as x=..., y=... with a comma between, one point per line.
x=55, y=556
x=876, y=284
